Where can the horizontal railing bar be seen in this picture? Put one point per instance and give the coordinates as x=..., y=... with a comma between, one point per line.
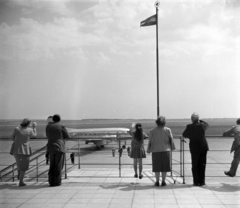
x=122, y=139
x=116, y=164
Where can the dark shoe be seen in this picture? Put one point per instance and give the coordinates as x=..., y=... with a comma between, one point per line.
x=195, y=184
x=163, y=183
x=52, y=185
x=202, y=184
x=157, y=183
x=136, y=176
x=228, y=174
x=55, y=184
x=22, y=184
x=140, y=176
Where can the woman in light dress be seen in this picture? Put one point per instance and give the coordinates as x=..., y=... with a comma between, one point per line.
x=21, y=148
x=160, y=144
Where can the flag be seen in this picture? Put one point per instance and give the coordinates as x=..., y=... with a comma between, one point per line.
x=149, y=21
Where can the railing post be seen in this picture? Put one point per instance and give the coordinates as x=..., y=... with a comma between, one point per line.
x=171, y=159
x=181, y=156
x=13, y=172
x=65, y=158
x=37, y=167
x=78, y=154
x=119, y=149
x=183, y=163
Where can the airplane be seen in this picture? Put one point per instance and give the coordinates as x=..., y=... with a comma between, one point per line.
x=101, y=136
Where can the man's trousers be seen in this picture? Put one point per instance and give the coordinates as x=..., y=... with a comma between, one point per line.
x=235, y=162
x=55, y=170
x=199, y=161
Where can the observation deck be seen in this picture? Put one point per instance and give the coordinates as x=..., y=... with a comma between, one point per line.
x=98, y=179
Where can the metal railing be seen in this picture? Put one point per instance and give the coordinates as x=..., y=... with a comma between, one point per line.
x=11, y=169
x=38, y=168
x=222, y=166
x=174, y=162
x=10, y=173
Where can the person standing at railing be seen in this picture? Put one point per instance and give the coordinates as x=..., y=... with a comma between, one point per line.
x=160, y=144
x=137, y=152
x=49, y=121
x=21, y=148
x=198, y=146
x=56, y=134
x=234, y=131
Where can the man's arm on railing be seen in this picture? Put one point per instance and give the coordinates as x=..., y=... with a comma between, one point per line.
x=186, y=132
x=182, y=138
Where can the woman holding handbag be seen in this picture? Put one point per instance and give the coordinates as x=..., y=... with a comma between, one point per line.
x=21, y=148
x=137, y=148
x=160, y=144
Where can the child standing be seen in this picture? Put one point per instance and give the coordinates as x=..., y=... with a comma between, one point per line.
x=137, y=148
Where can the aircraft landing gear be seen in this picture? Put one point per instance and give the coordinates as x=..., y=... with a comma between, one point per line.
x=98, y=148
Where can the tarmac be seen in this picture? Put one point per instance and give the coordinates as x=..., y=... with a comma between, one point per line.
x=103, y=188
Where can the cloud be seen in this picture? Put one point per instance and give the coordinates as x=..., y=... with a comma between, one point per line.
x=54, y=6
x=103, y=59
x=31, y=40
x=114, y=25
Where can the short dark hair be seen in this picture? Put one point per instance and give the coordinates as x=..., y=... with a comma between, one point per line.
x=161, y=121
x=238, y=121
x=56, y=118
x=25, y=122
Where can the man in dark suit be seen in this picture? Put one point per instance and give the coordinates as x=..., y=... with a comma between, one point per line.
x=198, y=146
x=56, y=134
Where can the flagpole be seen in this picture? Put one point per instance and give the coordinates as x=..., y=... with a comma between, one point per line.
x=157, y=3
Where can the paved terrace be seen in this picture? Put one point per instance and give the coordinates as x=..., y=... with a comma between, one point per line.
x=103, y=188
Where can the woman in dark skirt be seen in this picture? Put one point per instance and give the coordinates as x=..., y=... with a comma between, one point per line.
x=160, y=144
x=137, y=149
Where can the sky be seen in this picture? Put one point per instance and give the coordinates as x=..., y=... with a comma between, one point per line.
x=86, y=59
